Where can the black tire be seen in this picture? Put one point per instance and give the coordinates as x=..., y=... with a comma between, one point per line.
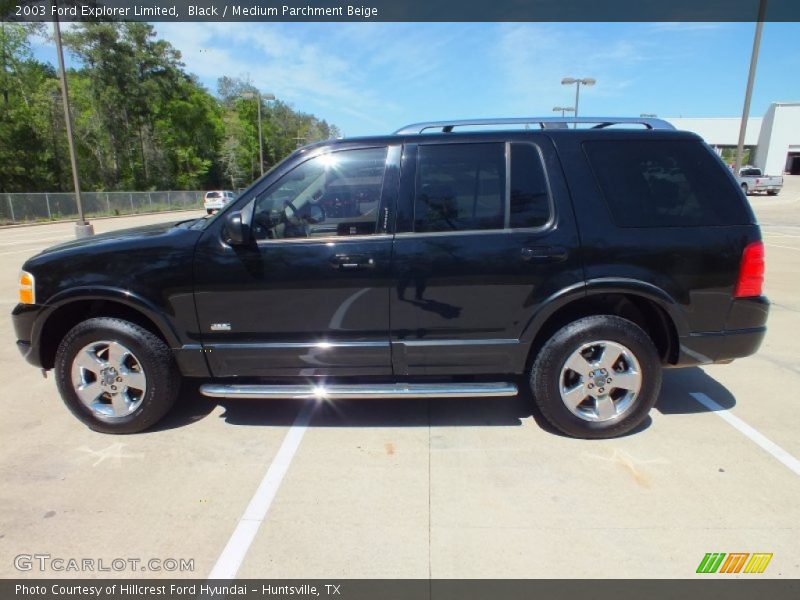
x=772, y=193
x=209, y=211
x=745, y=189
x=154, y=359
x=546, y=374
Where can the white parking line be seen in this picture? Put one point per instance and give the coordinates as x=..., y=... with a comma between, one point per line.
x=30, y=251
x=768, y=445
x=782, y=246
x=30, y=232
x=775, y=234
x=21, y=242
x=236, y=549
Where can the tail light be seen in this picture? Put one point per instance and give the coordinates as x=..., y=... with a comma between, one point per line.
x=751, y=271
x=758, y=181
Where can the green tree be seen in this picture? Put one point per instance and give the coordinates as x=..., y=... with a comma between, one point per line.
x=25, y=163
x=140, y=120
x=284, y=129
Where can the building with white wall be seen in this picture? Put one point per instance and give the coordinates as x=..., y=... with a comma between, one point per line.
x=775, y=137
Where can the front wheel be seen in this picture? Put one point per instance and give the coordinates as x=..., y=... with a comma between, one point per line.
x=597, y=377
x=116, y=376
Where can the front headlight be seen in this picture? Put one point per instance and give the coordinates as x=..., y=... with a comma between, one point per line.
x=27, y=288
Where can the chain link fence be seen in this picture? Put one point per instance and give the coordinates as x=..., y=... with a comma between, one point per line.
x=43, y=207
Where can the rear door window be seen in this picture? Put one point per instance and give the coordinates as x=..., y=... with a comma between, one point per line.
x=750, y=172
x=664, y=183
x=530, y=194
x=460, y=187
x=463, y=187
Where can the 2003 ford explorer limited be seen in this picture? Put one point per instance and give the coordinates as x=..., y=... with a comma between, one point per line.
x=451, y=259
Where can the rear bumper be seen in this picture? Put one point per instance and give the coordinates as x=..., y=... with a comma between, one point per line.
x=719, y=346
x=214, y=205
x=745, y=329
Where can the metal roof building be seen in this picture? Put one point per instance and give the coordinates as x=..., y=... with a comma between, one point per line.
x=775, y=137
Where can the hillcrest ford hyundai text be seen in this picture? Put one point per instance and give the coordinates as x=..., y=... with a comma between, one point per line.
x=451, y=259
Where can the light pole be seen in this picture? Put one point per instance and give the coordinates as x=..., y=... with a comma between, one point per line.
x=82, y=227
x=259, y=96
x=587, y=81
x=563, y=109
x=762, y=9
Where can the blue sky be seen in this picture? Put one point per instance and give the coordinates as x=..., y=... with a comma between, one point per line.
x=371, y=78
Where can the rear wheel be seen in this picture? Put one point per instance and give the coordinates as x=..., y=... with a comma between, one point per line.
x=597, y=377
x=772, y=193
x=116, y=376
x=745, y=189
x=209, y=211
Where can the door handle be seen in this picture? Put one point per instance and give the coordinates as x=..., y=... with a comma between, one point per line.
x=544, y=254
x=352, y=262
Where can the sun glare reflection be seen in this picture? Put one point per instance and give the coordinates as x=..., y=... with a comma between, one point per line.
x=328, y=160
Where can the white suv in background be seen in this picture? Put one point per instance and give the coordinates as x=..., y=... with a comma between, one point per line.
x=217, y=199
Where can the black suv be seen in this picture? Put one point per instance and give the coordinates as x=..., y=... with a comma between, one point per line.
x=428, y=263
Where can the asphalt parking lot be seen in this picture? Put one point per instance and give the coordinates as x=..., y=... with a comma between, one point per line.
x=415, y=488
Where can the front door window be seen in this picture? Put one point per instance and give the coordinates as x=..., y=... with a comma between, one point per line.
x=333, y=194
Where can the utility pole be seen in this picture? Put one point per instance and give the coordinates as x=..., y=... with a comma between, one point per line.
x=762, y=9
x=260, y=137
x=258, y=96
x=82, y=227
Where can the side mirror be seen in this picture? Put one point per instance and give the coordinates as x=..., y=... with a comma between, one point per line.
x=315, y=214
x=235, y=229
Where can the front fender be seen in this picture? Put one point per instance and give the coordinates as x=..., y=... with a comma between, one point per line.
x=112, y=294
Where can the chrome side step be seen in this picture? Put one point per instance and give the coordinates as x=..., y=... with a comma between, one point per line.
x=342, y=391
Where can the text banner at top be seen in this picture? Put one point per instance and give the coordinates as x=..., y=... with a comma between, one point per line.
x=401, y=10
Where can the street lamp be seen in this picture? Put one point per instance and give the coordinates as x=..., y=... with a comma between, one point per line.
x=82, y=227
x=563, y=109
x=259, y=96
x=587, y=81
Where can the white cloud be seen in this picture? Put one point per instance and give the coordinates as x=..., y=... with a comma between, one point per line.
x=338, y=70
x=535, y=57
x=300, y=72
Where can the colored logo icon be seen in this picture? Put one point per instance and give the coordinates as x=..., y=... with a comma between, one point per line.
x=734, y=562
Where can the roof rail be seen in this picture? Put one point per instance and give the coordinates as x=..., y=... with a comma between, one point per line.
x=541, y=122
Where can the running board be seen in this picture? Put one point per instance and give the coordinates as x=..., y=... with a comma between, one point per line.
x=342, y=391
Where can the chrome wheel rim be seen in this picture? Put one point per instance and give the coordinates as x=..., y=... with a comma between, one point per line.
x=600, y=381
x=108, y=379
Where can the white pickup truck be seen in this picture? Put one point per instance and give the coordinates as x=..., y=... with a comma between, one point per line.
x=752, y=180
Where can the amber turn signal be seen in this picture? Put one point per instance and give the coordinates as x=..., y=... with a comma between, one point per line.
x=27, y=291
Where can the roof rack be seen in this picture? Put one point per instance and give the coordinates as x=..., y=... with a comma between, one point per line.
x=541, y=122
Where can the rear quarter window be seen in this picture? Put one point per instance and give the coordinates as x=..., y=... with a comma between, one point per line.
x=664, y=183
